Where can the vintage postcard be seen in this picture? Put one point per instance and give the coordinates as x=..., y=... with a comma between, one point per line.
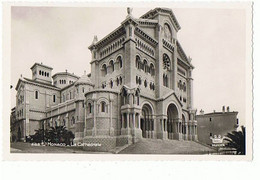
x=153, y=81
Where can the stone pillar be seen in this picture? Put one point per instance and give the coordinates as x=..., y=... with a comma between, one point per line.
x=139, y=121
x=111, y=129
x=122, y=121
x=94, y=118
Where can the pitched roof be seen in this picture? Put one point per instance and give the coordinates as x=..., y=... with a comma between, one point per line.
x=48, y=67
x=155, y=11
x=35, y=82
x=65, y=73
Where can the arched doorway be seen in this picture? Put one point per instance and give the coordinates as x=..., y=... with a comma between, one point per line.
x=172, y=116
x=147, y=121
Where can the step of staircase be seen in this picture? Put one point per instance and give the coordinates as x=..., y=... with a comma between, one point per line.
x=158, y=146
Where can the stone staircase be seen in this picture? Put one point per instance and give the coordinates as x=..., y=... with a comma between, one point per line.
x=158, y=146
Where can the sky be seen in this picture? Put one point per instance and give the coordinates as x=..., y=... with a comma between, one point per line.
x=59, y=37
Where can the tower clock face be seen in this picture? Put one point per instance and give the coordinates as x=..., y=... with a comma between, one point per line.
x=166, y=62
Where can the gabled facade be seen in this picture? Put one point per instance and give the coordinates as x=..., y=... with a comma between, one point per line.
x=143, y=84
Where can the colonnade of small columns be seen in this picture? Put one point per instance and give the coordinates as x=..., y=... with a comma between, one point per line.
x=176, y=126
x=130, y=120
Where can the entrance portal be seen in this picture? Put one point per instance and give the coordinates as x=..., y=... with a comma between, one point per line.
x=172, y=116
x=147, y=122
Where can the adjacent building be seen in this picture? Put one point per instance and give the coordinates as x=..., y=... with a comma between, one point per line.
x=140, y=86
x=216, y=125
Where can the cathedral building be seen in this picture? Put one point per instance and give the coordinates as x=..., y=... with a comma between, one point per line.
x=140, y=86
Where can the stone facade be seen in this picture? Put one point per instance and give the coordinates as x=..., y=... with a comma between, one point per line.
x=140, y=86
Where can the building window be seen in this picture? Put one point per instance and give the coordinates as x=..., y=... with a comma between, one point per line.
x=166, y=62
x=140, y=81
x=152, y=69
x=83, y=89
x=165, y=80
x=167, y=33
x=117, y=81
x=210, y=119
x=111, y=84
x=83, y=104
x=145, y=66
x=72, y=120
x=137, y=62
x=137, y=80
x=89, y=108
x=120, y=79
x=120, y=61
x=184, y=87
x=54, y=98
x=145, y=83
x=40, y=72
x=210, y=134
x=64, y=98
x=36, y=94
x=104, y=69
x=47, y=74
x=70, y=95
x=103, y=106
x=111, y=63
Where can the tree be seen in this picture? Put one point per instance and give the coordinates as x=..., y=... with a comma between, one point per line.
x=237, y=141
x=58, y=134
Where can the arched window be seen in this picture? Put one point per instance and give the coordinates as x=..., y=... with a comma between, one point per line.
x=103, y=106
x=119, y=59
x=167, y=32
x=89, y=108
x=40, y=72
x=111, y=63
x=140, y=81
x=104, y=69
x=45, y=74
x=111, y=84
x=152, y=69
x=137, y=80
x=145, y=83
x=166, y=62
x=145, y=66
x=137, y=62
x=36, y=94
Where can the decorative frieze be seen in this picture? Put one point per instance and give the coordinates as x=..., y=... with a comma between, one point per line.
x=112, y=47
x=145, y=47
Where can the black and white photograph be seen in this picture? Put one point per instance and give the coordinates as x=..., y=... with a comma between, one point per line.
x=134, y=80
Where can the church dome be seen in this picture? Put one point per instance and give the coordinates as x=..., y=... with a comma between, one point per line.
x=84, y=80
